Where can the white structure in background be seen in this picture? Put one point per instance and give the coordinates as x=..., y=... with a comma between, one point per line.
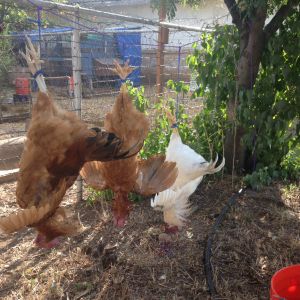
x=209, y=13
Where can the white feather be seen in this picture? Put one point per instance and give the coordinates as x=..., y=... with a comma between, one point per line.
x=190, y=164
x=174, y=202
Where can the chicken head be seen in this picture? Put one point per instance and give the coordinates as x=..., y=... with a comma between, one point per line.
x=41, y=242
x=121, y=208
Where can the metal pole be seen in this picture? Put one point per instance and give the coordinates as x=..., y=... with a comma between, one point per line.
x=160, y=53
x=39, y=9
x=39, y=23
x=114, y=16
x=178, y=78
x=76, y=67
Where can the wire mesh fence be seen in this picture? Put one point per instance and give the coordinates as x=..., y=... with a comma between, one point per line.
x=100, y=43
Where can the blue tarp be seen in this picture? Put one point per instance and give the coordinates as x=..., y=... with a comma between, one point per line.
x=129, y=46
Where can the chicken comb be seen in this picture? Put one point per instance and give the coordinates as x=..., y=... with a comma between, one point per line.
x=24, y=218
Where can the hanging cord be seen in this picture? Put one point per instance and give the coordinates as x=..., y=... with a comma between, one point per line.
x=39, y=9
x=207, y=251
x=178, y=77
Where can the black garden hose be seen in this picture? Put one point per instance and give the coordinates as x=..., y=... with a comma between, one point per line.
x=207, y=252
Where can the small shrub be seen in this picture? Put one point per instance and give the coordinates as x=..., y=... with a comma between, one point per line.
x=95, y=195
x=289, y=170
x=138, y=93
x=259, y=178
x=291, y=164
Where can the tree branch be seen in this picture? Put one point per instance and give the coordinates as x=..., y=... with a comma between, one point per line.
x=235, y=13
x=279, y=17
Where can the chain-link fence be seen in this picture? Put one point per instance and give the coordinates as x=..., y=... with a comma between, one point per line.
x=156, y=54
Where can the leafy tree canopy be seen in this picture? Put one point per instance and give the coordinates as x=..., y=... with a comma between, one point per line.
x=13, y=18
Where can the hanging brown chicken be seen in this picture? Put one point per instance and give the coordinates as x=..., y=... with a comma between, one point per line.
x=145, y=177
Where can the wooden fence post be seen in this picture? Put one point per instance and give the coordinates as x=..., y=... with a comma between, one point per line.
x=76, y=67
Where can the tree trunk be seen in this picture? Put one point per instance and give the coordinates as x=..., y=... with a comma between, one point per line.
x=251, y=48
x=234, y=151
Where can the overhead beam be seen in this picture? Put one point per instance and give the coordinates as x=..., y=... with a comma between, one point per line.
x=104, y=14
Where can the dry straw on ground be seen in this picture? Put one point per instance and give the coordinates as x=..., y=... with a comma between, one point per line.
x=259, y=236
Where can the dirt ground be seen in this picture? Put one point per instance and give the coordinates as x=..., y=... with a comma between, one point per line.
x=258, y=236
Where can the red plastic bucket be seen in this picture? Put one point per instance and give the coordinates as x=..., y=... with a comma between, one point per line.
x=22, y=86
x=285, y=284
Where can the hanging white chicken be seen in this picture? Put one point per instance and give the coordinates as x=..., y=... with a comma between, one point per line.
x=174, y=202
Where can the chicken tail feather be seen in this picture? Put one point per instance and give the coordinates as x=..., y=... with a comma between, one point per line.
x=134, y=149
x=24, y=218
x=211, y=168
x=106, y=146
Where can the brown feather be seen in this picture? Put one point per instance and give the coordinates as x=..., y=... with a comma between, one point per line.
x=23, y=218
x=34, y=215
x=120, y=175
x=155, y=175
x=122, y=71
x=57, y=146
x=125, y=121
x=56, y=222
x=132, y=127
x=59, y=225
x=91, y=174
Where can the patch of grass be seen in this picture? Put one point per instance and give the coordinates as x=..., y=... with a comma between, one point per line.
x=107, y=195
x=95, y=196
x=80, y=286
